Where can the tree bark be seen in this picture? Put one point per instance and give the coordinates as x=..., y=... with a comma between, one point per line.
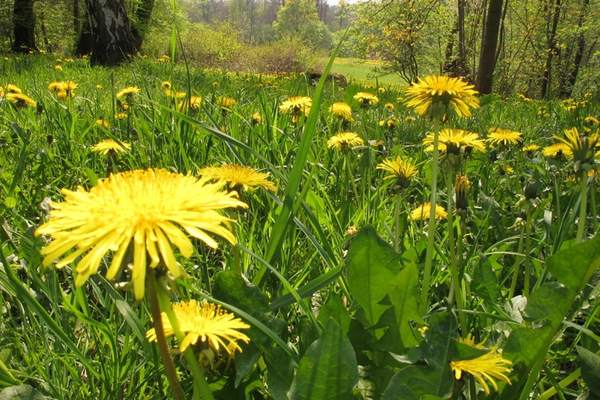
x=566, y=86
x=487, y=61
x=113, y=40
x=552, y=50
x=23, y=26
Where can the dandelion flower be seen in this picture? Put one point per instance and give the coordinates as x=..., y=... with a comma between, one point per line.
x=226, y=102
x=455, y=141
x=422, y=212
x=110, y=146
x=389, y=123
x=581, y=147
x=20, y=100
x=401, y=169
x=256, y=118
x=145, y=210
x=344, y=141
x=207, y=323
x=487, y=368
x=342, y=111
x=389, y=107
x=442, y=91
x=366, y=99
x=239, y=175
x=531, y=148
x=296, y=105
x=103, y=123
x=121, y=116
x=10, y=88
x=166, y=85
x=499, y=136
x=128, y=92
x=557, y=150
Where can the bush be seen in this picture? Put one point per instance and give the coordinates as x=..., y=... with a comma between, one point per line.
x=285, y=55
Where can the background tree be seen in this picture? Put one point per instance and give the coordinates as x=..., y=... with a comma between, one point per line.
x=23, y=26
x=487, y=61
x=298, y=19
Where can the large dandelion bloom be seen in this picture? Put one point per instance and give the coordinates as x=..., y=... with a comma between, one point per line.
x=455, y=141
x=296, y=105
x=581, y=147
x=366, y=99
x=205, y=322
x=20, y=100
x=422, y=212
x=128, y=92
x=239, y=176
x=499, y=136
x=110, y=146
x=341, y=110
x=442, y=90
x=146, y=211
x=401, y=169
x=344, y=141
x=490, y=366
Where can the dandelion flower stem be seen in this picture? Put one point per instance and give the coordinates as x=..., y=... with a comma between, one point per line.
x=201, y=389
x=432, y=225
x=160, y=338
x=582, y=208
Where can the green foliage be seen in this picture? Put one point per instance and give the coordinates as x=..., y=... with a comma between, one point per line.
x=298, y=19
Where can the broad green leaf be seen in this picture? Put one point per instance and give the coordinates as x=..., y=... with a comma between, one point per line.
x=412, y=383
x=403, y=296
x=571, y=267
x=328, y=370
x=590, y=370
x=334, y=308
x=485, y=282
x=372, y=267
x=280, y=373
x=21, y=392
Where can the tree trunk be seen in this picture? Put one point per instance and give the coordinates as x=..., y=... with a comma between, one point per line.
x=462, y=49
x=566, y=86
x=23, y=26
x=76, y=17
x=113, y=40
x=487, y=61
x=552, y=50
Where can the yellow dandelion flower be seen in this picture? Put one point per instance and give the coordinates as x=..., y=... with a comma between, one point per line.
x=557, y=150
x=110, y=146
x=20, y=100
x=381, y=90
x=103, y=123
x=401, y=169
x=366, y=99
x=582, y=147
x=389, y=123
x=256, y=118
x=58, y=68
x=531, y=148
x=10, y=88
x=344, y=141
x=226, y=102
x=166, y=85
x=409, y=119
x=455, y=141
x=239, y=176
x=128, y=92
x=207, y=323
x=523, y=97
x=389, y=107
x=296, y=105
x=145, y=210
x=342, y=111
x=489, y=367
x=591, y=121
x=121, y=116
x=422, y=212
x=442, y=91
x=499, y=136
x=55, y=87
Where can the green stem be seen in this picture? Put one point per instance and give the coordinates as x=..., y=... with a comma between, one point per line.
x=431, y=228
x=201, y=388
x=160, y=338
x=572, y=377
x=582, y=208
x=517, y=265
x=400, y=223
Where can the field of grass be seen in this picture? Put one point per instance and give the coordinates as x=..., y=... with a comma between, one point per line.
x=346, y=288
x=366, y=72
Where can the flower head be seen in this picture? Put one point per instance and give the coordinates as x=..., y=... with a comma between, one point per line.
x=487, y=368
x=207, y=323
x=442, y=91
x=239, y=175
x=557, y=150
x=389, y=123
x=582, y=147
x=341, y=110
x=422, y=212
x=256, y=118
x=128, y=92
x=366, y=99
x=166, y=85
x=531, y=148
x=455, y=141
x=226, y=103
x=296, y=105
x=10, y=88
x=20, y=100
x=344, y=141
x=389, y=107
x=400, y=169
x=149, y=211
x=110, y=146
x=499, y=136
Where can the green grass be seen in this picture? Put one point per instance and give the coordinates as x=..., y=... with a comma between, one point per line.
x=366, y=72
x=315, y=292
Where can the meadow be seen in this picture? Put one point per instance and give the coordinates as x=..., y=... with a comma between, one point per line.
x=333, y=278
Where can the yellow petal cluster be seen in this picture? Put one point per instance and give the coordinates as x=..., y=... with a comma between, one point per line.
x=143, y=213
x=239, y=175
x=439, y=90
